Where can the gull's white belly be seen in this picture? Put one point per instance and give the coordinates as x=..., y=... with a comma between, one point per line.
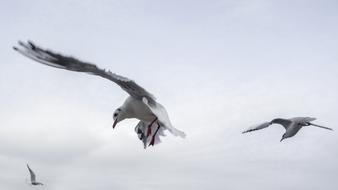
x=137, y=109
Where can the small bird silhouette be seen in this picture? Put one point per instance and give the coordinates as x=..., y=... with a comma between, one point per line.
x=33, y=177
x=292, y=126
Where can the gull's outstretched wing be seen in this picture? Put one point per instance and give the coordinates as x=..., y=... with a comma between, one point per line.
x=284, y=122
x=320, y=126
x=60, y=61
x=302, y=119
x=33, y=178
x=258, y=127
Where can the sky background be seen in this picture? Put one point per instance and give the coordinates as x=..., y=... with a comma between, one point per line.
x=218, y=67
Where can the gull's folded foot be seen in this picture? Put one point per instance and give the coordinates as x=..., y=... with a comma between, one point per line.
x=149, y=131
x=152, y=142
x=149, y=127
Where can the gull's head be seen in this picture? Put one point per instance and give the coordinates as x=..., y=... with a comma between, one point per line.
x=283, y=137
x=118, y=116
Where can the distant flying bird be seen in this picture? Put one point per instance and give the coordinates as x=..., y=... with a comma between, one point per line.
x=33, y=177
x=292, y=126
x=140, y=104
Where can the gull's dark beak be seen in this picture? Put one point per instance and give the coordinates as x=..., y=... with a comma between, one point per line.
x=281, y=139
x=115, y=122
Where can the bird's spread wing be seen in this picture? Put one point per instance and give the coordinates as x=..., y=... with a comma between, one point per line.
x=320, y=126
x=284, y=122
x=258, y=127
x=53, y=59
x=302, y=119
x=33, y=178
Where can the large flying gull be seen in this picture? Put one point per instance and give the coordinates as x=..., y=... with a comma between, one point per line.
x=140, y=104
x=33, y=177
x=292, y=126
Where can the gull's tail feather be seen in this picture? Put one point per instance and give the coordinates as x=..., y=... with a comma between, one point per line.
x=177, y=132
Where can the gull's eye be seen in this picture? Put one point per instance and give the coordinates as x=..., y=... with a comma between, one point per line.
x=115, y=114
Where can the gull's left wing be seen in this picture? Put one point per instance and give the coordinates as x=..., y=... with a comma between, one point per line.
x=320, y=126
x=60, y=61
x=32, y=174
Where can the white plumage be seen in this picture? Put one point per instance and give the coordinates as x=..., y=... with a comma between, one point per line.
x=140, y=104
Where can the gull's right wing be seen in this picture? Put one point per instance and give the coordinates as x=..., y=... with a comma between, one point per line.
x=258, y=127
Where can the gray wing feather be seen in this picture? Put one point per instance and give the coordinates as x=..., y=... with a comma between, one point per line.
x=258, y=127
x=302, y=119
x=33, y=177
x=284, y=122
x=60, y=61
x=321, y=126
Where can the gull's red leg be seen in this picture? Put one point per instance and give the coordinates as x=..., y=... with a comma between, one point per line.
x=148, y=131
x=152, y=142
x=149, y=127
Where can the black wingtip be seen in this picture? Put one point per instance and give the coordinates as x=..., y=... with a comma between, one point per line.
x=21, y=43
x=33, y=47
x=31, y=44
x=15, y=48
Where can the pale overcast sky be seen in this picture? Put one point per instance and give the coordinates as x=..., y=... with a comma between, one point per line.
x=219, y=66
